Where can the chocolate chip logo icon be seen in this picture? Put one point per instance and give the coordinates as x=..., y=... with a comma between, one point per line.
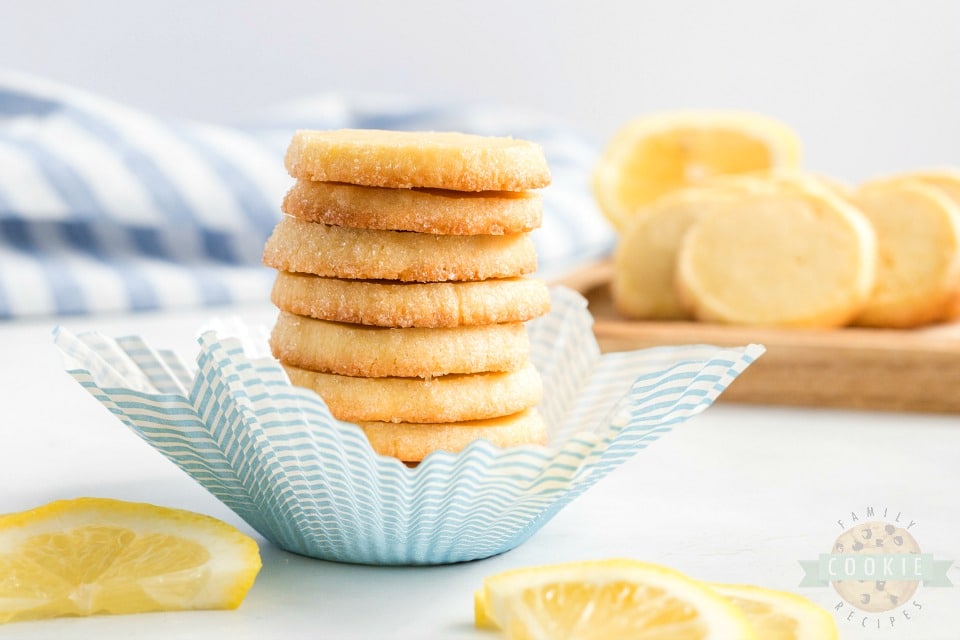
x=876, y=568
x=872, y=542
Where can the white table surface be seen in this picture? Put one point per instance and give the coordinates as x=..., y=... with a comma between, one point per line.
x=740, y=494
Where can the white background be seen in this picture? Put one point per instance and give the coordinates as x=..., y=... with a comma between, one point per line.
x=872, y=86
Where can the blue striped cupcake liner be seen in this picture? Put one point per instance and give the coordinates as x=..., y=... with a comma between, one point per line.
x=312, y=485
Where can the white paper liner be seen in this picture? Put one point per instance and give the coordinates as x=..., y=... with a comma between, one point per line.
x=312, y=485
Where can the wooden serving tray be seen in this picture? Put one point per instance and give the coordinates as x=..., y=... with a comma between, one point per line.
x=882, y=369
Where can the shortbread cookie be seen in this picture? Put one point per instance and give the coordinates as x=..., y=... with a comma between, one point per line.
x=411, y=304
x=456, y=213
x=805, y=180
x=413, y=442
x=403, y=159
x=799, y=260
x=645, y=258
x=358, y=350
x=918, y=248
x=946, y=179
x=373, y=254
x=643, y=284
x=452, y=398
x=780, y=179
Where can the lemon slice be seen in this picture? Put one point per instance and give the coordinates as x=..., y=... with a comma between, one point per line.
x=90, y=556
x=481, y=617
x=654, y=154
x=778, y=615
x=607, y=599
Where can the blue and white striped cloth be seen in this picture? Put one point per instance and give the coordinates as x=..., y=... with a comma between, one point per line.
x=107, y=208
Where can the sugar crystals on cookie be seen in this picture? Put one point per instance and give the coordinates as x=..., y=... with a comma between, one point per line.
x=403, y=285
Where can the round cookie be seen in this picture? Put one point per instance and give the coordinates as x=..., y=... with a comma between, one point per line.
x=456, y=213
x=376, y=352
x=918, y=248
x=411, y=304
x=790, y=259
x=646, y=256
x=947, y=179
x=643, y=284
x=404, y=159
x=413, y=442
x=452, y=398
x=373, y=254
x=781, y=179
x=806, y=181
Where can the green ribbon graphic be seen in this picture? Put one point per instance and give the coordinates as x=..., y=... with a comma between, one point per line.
x=851, y=566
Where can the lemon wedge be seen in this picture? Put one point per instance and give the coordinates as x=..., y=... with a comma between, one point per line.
x=90, y=556
x=779, y=615
x=606, y=599
x=654, y=154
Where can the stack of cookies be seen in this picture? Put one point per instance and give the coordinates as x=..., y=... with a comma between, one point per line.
x=402, y=288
